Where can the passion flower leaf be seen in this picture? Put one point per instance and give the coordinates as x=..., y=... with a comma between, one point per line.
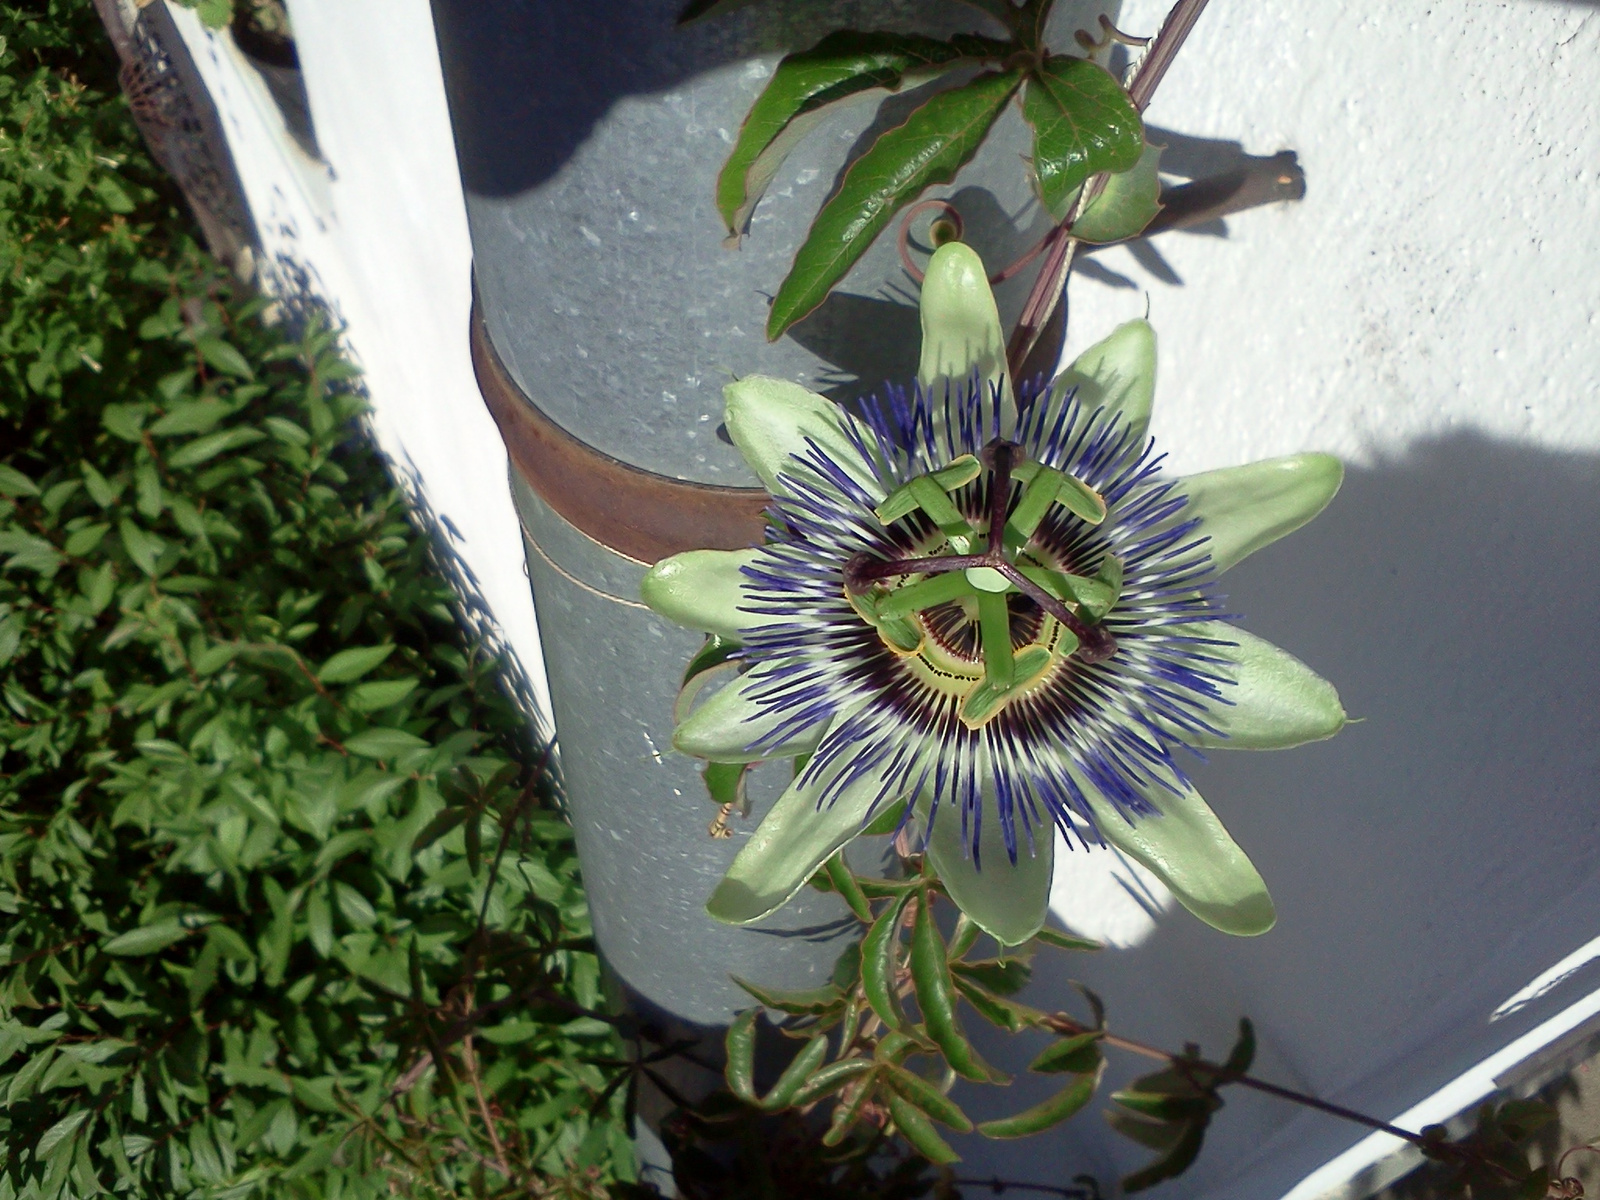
x=1078, y=1054
x=998, y=1010
x=1185, y=1149
x=1129, y=202
x=797, y=1004
x=740, y=1072
x=919, y=1131
x=880, y=962
x=725, y=783
x=830, y=1079
x=928, y=1098
x=1065, y=1103
x=1083, y=123
x=844, y=882
x=1065, y=941
x=930, y=973
x=934, y=143
x=846, y=65
x=795, y=1074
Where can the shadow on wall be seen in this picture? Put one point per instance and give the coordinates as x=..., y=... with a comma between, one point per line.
x=1429, y=861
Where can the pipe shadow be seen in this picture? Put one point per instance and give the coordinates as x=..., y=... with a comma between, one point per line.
x=528, y=81
x=1429, y=861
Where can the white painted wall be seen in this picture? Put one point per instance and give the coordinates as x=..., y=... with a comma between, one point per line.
x=1430, y=312
x=379, y=232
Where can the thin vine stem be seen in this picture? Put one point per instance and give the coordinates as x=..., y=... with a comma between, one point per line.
x=1063, y=1024
x=1042, y=299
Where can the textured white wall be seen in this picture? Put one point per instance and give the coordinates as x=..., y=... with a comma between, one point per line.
x=1431, y=313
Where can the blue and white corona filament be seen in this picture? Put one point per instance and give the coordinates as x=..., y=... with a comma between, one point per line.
x=992, y=605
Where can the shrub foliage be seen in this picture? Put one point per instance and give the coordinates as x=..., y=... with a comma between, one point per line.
x=286, y=909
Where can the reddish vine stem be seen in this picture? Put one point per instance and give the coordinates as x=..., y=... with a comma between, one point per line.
x=902, y=243
x=1064, y=1024
x=1041, y=303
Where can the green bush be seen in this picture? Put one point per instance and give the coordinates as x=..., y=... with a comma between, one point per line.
x=286, y=907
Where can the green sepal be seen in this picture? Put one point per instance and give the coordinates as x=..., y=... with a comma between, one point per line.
x=723, y=727
x=1188, y=849
x=704, y=589
x=1064, y=1104
x=962, y=339
x=772, y=420
x=1117, y=374
x=1242, y=509
x=792, y=841
x=1277, y=701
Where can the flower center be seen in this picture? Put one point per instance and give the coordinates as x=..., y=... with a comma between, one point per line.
x=987, y=615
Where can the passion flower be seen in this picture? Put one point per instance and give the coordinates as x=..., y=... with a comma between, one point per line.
x=988, y=606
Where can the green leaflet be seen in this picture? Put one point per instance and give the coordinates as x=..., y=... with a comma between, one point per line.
x=845, y=65
x=1043, y=1115
x=1083, y=123
x=930, y=973
x=935, y=141
x=1129, y=201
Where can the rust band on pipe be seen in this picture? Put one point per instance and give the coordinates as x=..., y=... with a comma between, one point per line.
x=636, y=513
